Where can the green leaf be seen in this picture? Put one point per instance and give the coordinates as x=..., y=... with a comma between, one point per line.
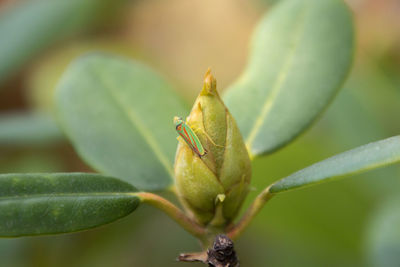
x=29, y=27
x=28, y=129
x=42, y=80
x=37, y=204
x=300, y=55
x=383, y=235
x=363, y=158
x=119, y=115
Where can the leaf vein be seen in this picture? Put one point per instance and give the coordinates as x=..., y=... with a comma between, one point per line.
x=143, y=130
x=55, y=195
x=277, y=86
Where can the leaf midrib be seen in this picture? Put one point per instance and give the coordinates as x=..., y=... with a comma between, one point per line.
x=280, y=80
x=134, y=119
x=53, y=195
x=288, y=183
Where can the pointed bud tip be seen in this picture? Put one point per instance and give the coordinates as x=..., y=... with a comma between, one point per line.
x=210, y=83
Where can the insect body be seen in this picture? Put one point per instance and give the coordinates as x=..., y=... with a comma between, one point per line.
x=189, y=136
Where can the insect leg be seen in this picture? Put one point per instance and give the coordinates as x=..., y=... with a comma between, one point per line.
x=208, y=137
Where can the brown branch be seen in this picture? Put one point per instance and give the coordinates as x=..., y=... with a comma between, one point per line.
x=221, y=254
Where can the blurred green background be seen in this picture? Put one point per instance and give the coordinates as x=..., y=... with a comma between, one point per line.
x=353, y=222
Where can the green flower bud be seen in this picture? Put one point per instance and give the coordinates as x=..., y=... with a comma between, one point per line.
x=213, y=186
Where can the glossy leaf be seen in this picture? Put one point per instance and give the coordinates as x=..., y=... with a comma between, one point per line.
x=363, y=158
x=119, y=116
x=28, y=129
x=300, y=55
x=31, y=26
x=36, y=204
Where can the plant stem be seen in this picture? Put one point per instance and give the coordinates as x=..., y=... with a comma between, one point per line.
x=174, y=212
x=221, y=253
x=251, y=212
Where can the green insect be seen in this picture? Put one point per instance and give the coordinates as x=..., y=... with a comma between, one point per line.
x=189, y=136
